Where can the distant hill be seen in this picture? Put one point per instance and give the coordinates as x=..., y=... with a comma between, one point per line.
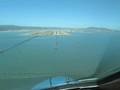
x=9, y=27
x=15, y=27
x=98, y=29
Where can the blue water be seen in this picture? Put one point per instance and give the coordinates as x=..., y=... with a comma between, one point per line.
x=78, y=55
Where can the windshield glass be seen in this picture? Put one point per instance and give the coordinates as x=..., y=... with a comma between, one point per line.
x=50, y=43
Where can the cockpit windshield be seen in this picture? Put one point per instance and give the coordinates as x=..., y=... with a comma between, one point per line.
x=54, y=43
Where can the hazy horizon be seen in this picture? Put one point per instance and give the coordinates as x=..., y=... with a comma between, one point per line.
x=39, y=26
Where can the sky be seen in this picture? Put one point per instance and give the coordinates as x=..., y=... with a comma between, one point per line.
x=61, y=13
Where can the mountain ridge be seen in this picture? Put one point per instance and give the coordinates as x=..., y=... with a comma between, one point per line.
x=16, y=27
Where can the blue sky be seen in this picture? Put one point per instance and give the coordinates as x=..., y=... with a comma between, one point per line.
x=61, y=13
